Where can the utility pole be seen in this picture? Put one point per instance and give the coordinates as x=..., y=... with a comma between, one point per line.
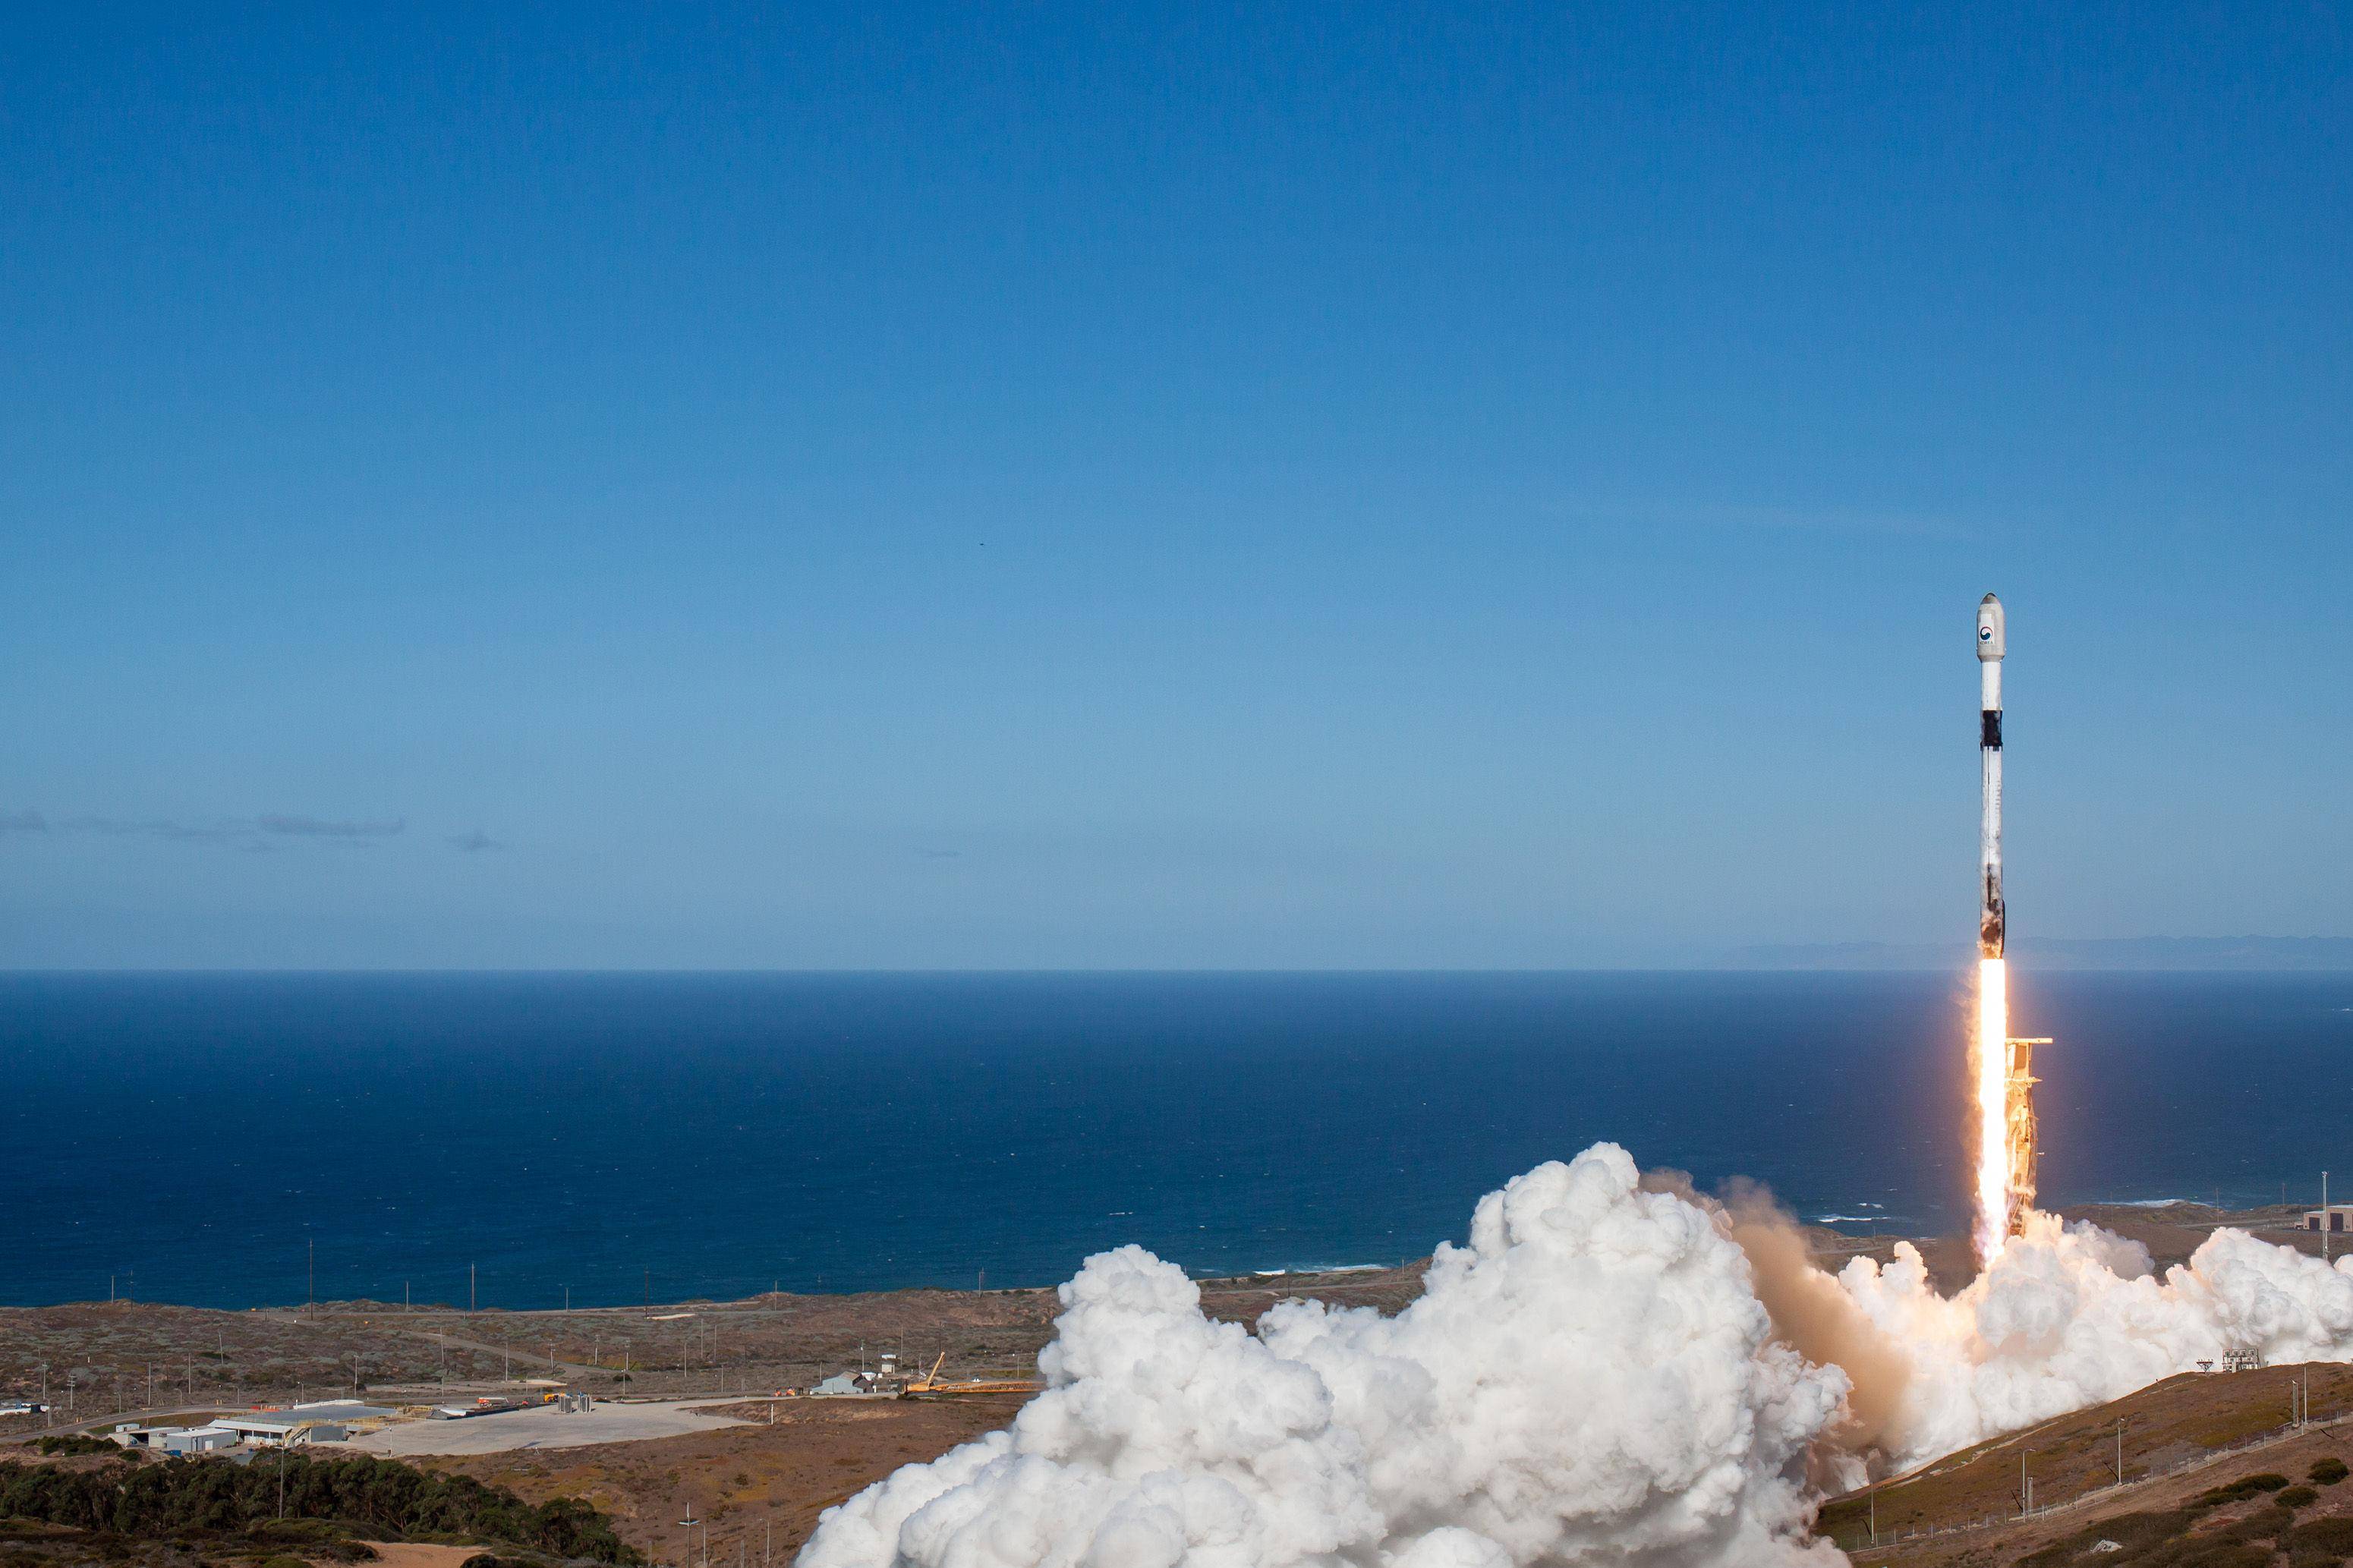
x=314, y=1274
x=469, y=1287
x=2120, y=1450
x=2324, y=1216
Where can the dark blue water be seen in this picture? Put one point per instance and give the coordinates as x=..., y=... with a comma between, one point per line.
x=709, y=1134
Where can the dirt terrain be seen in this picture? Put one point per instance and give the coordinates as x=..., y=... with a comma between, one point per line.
x=96, y=1360
x=2179, y=1438
x=760, y=1487
x=745, y=1481
x=103, y=1358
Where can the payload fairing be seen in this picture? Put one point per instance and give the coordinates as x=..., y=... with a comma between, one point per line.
x=1989, y=911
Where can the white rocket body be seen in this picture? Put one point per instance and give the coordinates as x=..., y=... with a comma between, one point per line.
x=1989, y=650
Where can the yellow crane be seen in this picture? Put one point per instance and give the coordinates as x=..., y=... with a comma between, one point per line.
x=930, y=1381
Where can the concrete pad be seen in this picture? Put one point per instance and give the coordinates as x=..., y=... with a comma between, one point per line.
x=543, y=1427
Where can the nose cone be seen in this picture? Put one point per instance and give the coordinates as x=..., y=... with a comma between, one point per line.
x=1990, y=627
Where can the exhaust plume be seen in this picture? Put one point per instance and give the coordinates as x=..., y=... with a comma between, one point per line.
x=1591, y=1379
x=2070, y=1315
x=1813, y=1316
x=1809, y=1311
x=1614, y=1370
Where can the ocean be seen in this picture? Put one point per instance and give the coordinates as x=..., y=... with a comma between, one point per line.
x=203, y=1138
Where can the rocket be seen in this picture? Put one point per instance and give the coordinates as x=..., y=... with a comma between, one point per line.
x=1990, y=911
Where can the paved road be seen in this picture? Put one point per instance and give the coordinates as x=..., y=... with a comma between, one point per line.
x=543, y=1427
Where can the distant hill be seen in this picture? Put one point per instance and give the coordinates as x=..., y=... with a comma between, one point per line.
x=2300, y=952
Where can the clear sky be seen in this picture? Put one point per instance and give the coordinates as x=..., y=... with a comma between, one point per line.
x=1109, y=485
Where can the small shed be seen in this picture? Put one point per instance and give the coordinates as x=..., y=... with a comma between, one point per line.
x=272, y=1428
x=197, y=1440
x=130, y=1434
x=839, y=1384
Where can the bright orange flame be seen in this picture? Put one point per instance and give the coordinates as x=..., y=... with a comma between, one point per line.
x=1992, y=1063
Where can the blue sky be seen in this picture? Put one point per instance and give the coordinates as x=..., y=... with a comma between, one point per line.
x=578, y=486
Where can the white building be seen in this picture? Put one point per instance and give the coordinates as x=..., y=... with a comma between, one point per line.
x=276, y=1428
x=130, y=1434
x=195, y=1440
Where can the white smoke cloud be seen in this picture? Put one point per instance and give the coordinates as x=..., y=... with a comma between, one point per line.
x=1595, y=1378
x=1591, y=1379
x=2069, y=1316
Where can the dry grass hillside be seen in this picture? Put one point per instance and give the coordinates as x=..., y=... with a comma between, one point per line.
x=2181, y=1439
